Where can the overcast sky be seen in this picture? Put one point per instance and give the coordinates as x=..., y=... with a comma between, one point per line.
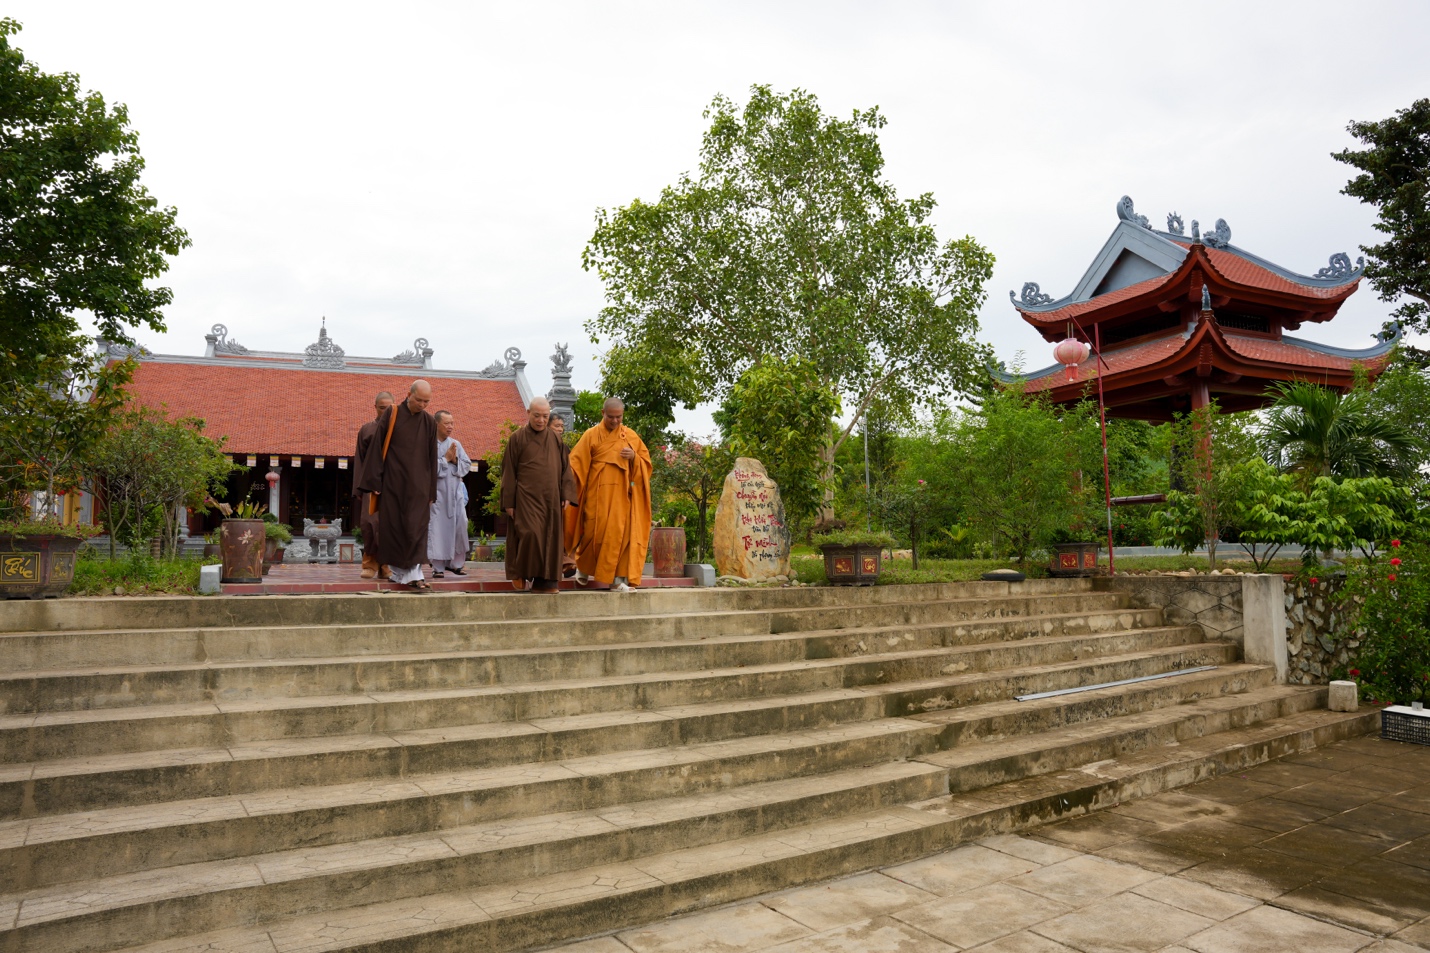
x=427, y=169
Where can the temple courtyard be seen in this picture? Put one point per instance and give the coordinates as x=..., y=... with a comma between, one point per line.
x=1322, y=852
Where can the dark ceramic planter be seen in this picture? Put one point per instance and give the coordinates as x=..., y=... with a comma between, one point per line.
x=36, y=567
x=481, y=554
x=852, y=565
x=1073, y=559
x=212, y=549
x=242, y=543
x=272, y=554
x=667, y=549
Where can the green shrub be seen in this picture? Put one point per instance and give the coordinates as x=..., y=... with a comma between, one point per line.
x=1389, y=596
x=135, y=574
x=856, y=537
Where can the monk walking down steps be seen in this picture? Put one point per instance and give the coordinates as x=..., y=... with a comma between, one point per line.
x=535, y=484
x=447, y=542
x=366, y=515
x=612, y=468
x=400, y=472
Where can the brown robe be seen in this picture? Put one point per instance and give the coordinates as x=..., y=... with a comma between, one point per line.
x=535, y=480
x=366, y=521
x=406, y=482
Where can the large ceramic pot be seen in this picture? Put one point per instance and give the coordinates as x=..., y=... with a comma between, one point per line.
x=1073, y=559
x=852, y=565
x=481, y=553
x=242, y=542
x=272, y=554
x=212, y=549
x=667, y=551
x=36, y=567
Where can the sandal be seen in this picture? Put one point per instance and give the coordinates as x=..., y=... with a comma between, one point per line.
x=457, y=572
x=420, y=585
x=436, y=575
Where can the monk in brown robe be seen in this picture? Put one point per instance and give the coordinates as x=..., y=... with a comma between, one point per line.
x=401, y=468
x=536, y=483
x=366, y=521
x=612, y=467
x=568, y=510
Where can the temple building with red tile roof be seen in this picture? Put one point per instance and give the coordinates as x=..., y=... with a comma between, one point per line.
x=1185, y=320
x=298, y=414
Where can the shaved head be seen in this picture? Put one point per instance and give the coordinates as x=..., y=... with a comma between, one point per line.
x=613, y=411
x=418, y=396
x=538, y=413
x=382, y=401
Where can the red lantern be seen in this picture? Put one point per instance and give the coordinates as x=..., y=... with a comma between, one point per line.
x=1071, y=352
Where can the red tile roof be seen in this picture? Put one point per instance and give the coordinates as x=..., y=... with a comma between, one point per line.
x=1117, y=361
x=1243, y=271
x=311, y=413
x=1284, y=352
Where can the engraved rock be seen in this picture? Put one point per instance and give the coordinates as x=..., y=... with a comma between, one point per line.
x=752, y=539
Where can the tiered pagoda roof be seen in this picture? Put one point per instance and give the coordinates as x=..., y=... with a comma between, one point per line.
x=1184, y=319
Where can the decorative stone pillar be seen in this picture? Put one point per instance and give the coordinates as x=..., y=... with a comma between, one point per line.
x=273, y=494
x=562, y=395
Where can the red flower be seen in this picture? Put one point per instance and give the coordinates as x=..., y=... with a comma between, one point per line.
x=1354, y=673
x=1391, y=577
x=1395, y=561
x=1314, y=580
x=1395, y=542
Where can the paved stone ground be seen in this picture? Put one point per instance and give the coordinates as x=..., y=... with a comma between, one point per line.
x=1324, y=852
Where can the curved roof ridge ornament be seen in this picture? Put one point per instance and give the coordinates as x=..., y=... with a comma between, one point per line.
x=1175, y=225
x=324, y=352
x=1032, y=296
x=1220, y=236
x=1128, y=214
x=1339, y=267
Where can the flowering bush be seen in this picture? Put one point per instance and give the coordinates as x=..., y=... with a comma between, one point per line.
x=1390, y=603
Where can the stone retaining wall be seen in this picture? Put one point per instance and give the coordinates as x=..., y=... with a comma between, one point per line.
x=1316, y=629
x=1316, y=646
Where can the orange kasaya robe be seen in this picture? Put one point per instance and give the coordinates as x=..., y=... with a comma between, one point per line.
x=613, y=516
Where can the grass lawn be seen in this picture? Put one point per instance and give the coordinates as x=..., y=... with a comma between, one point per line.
x=135, y=576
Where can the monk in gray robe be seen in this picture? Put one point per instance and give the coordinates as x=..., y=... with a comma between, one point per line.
x=401, y=468
x=536, y=482
x=365, y=520
x=447, y=542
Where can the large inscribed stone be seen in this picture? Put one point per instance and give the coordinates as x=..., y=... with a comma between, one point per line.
x=751, y=537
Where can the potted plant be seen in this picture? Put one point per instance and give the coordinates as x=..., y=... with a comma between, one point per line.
x=853, y=557
x=275, y=536
x=211, y=546
x=241, y=537
x=37, y=557
x=482, y=548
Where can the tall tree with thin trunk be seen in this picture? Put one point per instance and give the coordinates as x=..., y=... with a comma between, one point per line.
x=791, y=243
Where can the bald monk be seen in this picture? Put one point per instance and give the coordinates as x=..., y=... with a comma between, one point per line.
x=612, y=467
x=366, y=521
x=536, y=483
x=401, y=469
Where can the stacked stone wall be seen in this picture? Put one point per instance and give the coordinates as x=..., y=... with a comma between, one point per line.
x=1317, y=646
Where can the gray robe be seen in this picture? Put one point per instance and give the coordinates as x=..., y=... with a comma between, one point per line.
x=447, y=531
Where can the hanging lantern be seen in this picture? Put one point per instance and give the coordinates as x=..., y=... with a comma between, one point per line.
x=1071, y=352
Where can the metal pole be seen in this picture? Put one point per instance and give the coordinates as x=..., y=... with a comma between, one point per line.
x=1106, y=475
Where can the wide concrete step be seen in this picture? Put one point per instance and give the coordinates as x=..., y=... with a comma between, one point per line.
x=117, y=840
x=29, y=652
x=618, y=889
x=44, y=736
x=61, y=785
x=126, y=686
x=151, y=613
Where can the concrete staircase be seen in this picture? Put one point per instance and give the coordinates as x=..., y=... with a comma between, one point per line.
x=493, y=773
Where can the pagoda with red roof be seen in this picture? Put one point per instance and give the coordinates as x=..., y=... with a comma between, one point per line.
x=1184, y=320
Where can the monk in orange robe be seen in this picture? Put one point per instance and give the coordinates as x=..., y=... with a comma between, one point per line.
x=612, y=468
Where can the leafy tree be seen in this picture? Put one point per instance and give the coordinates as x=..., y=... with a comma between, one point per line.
x=791, y=243
x=1316, y=431
x=78, y=232
x=651, y=382
x=779, y=412
x=586, y=413
x=1020, y=478
x=1213, y=456
x=55, y=415
x=1389, y=598
x=695, y=472
x=147, y=468
x=1395, y=178
x=1400, y=397
x=493, y=460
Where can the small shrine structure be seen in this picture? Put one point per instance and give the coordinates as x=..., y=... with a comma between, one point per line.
x=1186, y=319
